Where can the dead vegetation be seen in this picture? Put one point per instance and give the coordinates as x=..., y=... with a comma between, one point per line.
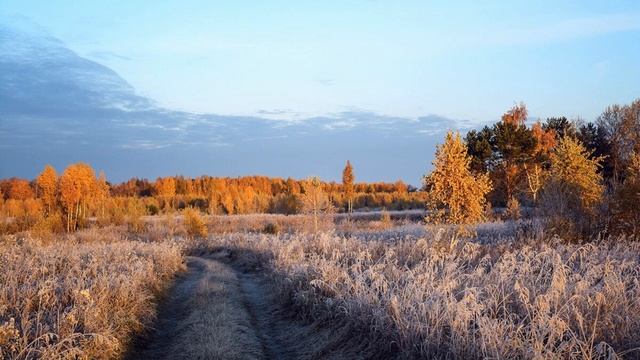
x=379, y=286
x=442, y=296
x=82, y=296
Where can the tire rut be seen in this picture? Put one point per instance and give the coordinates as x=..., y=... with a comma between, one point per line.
x=215, y=311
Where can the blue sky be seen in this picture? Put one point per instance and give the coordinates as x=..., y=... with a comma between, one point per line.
x=294, y=59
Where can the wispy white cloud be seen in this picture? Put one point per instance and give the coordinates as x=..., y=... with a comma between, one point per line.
x=326, y=82
x=154, y=126
x=107, y=55
x=288, y=115
x=144, y=145
x=560, y=31
x=266, y=138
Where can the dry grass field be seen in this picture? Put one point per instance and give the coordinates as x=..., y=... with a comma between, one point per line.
x=443, y=296
x=371, y=288
x=81, y=295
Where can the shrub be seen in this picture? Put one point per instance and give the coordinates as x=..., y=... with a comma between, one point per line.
x=385, y=219
x=574, y=190
x=153, y=209
x=198, y=203
x=135, y=210
x=194, y=223
x=271, y=228
x=513, y=209
x=48, y=225
x=489, y=214
x=171, y=225
x=626, y=216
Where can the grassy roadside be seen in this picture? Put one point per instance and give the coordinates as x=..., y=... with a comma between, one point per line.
x=79, y=297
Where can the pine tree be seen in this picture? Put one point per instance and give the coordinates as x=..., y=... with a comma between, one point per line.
x=347, y=182
x=479, y=148
x=513, y=146
x=456, y=195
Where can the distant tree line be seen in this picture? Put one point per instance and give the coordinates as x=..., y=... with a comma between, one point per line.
x=579, y=175
x=69, y=200
x=261, y=194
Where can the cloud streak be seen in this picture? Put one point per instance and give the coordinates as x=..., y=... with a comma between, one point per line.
x=561, y=31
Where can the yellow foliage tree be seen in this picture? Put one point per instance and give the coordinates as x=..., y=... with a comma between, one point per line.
x=534, y=170
x=76, y=186
x=102, y=192
x=47, y=183
x=456, y=195
x=165, y=189
x=347, y=182
x=575, y=170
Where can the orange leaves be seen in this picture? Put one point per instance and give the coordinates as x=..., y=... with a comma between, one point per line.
x=76, y=187
x=545, y=140
x=165, y=187
x=72, y=194
x=517, y=115
x=19, y=189
x=76, y=184
x=47, y=183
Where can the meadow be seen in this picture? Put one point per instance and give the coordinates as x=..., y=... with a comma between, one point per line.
x=81, y=295
x=397, y=287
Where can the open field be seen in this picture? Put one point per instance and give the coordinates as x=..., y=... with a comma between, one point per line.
x=83, y=295
x=447, y=297
x=397, y=290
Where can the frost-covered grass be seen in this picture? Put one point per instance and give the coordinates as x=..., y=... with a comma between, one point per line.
x=400, y=288
x=433, y=294
x=79, y=296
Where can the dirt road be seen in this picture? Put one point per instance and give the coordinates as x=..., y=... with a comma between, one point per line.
x=215, y=311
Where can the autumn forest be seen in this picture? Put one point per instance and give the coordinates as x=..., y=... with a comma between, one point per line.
x=590, y=168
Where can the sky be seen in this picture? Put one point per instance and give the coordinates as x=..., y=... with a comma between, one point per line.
x=296, y=59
